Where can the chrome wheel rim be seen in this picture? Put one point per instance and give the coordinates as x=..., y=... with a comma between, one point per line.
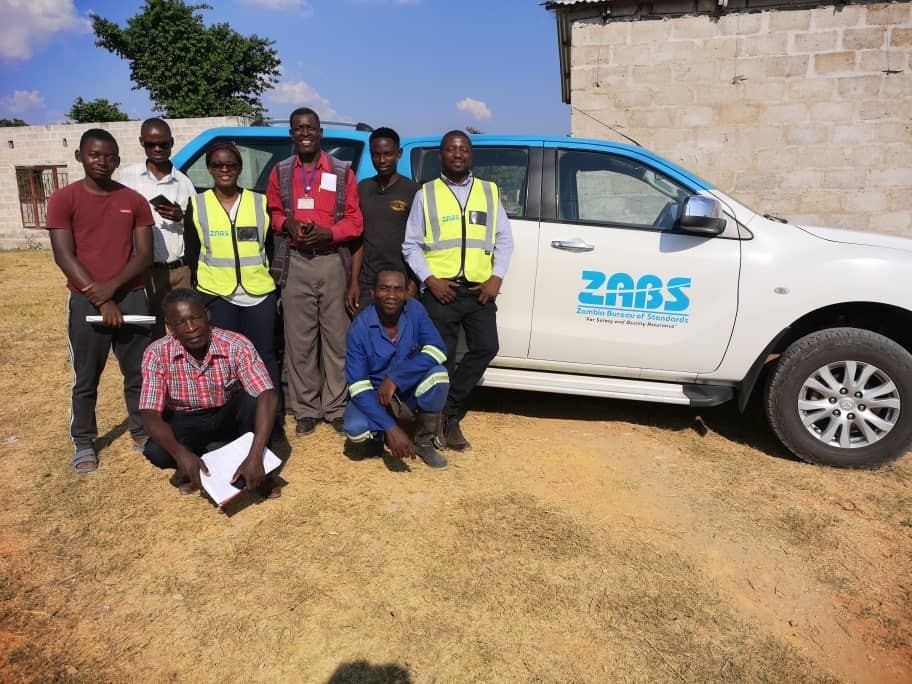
x=849, y=404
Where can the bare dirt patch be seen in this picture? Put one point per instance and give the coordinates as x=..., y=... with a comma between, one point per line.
x=580, y=540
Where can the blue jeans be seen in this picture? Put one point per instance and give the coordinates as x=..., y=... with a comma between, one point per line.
x=429, y=395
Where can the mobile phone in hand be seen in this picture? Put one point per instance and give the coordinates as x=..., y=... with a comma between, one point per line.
x=161, y=201
x=240, y=483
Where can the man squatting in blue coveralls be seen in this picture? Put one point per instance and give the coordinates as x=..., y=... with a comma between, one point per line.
x=394, y=355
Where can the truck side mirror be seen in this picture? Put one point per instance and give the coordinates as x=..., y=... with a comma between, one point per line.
x=702, y=216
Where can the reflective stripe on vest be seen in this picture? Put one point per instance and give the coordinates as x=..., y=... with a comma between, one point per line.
x=444, y=219
x=222, y=255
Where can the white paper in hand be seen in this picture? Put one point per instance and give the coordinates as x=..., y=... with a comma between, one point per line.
x=224, y=462
x=130, y=319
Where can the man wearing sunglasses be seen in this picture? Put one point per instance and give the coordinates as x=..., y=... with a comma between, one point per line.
x=168, y=192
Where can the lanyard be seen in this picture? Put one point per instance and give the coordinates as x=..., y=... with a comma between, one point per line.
x=313, y=175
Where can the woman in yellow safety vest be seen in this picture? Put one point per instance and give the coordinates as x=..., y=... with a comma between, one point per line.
x=229, y=225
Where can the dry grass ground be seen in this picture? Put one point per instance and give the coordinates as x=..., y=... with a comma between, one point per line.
x=580, y=541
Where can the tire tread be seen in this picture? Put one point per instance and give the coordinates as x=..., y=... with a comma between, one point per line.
x=811, y=344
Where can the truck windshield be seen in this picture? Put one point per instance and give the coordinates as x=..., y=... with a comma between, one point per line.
x=259, y=155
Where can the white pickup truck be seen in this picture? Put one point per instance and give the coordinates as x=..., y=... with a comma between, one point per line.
x=634, y=279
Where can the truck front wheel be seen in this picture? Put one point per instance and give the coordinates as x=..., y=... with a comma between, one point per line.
x=842, y=397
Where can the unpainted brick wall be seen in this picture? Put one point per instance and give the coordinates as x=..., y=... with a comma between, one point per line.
x=56, y=144
x=801, y=113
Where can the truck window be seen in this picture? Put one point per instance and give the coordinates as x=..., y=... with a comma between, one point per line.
x=506, y=166
x=260, y=155
x=597, y=187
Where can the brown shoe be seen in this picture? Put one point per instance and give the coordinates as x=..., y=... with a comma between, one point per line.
x=454, y=437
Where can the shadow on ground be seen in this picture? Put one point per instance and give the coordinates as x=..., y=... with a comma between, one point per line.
x=108, y=438
x=749, y=428
x=362, y=672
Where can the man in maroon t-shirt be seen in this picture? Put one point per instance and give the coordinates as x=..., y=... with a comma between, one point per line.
x=101, y=234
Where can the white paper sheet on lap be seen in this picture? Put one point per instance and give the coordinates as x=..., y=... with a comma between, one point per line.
x=224, y=462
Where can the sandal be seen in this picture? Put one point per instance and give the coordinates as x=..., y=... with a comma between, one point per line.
x=270, y=489
x=187, y=488
x=84, y=461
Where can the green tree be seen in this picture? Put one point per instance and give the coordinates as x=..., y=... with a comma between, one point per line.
x=191, y=70
x=12, y=122
x=97, y=110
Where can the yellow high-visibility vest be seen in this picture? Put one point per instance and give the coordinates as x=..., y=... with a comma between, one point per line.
x=232, y=253
x=456, y=239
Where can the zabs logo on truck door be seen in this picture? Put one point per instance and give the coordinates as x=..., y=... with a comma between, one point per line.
x=646, y=301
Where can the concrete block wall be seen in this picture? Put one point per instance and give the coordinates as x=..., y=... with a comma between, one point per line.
x=801, y=113
x=56, y=144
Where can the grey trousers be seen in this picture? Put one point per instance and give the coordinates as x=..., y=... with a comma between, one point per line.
x=90, y=345
x=313, y=305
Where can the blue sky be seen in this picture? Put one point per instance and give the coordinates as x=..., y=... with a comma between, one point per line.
x=421, y=66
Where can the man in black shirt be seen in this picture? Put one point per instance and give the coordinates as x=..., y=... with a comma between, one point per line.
x=385, y=203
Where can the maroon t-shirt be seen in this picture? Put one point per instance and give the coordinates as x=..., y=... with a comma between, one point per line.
x=102, y=227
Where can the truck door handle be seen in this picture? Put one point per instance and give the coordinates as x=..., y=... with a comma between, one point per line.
x=572, y=245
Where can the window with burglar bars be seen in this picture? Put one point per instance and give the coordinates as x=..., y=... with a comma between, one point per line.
x=36, y=183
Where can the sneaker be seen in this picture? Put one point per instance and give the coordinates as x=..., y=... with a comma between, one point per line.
x=305, y=426
x=454, y=437
x=358, y=451
x=338, y=425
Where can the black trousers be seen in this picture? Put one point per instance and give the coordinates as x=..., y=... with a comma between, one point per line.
x=479, y=321
x=257, y=324
x=90, y=344
x=196, y=430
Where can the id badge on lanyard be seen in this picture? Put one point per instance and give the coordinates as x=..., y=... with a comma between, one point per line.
x=306, y=203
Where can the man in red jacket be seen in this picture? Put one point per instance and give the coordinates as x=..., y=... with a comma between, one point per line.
x=303, y=200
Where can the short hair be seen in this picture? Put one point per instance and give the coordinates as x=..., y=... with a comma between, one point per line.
x=182, y=294
x=392, y=269
x=453, y=134
x=384, y=132
x=303, y=111
x=224, y=146
x=154, y=122
x=98, y=134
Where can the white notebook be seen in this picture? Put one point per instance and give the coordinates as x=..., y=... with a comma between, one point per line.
x=134, y=319
x=223, y=463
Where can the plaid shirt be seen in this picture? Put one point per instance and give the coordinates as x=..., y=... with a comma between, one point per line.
x=173, y=379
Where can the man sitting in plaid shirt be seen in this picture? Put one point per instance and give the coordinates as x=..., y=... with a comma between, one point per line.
x=203, y=385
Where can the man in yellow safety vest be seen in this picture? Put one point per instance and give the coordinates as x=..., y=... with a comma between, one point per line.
x=459, y=243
